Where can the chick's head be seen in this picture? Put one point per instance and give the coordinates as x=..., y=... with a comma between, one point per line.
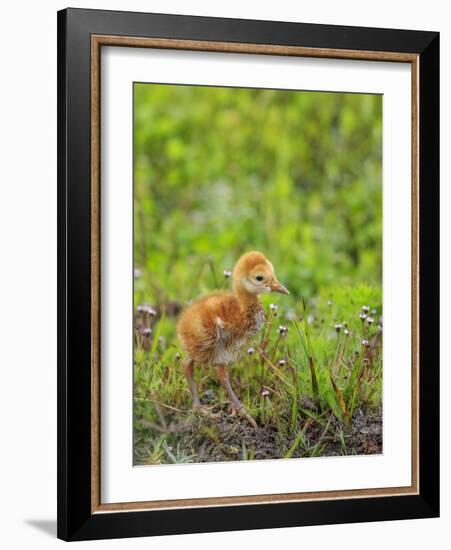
x=254, y=273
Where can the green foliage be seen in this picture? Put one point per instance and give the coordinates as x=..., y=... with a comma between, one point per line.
x=220, y=171
x=311, y=375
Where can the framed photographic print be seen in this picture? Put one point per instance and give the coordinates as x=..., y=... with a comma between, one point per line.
x=248, y=274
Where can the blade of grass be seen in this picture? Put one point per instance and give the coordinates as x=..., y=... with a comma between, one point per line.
x=354, y=393
x=327, y=392
x=156, y=335
x=355, y=374
x=314, y=381
x=274, y=369
x=317, y=449
x=213, y=273
x=307, y=331
x=294, y=401
x=308, y=347
x=341, y=402
x=300, y=438
x=313, y=416
x=311, y=361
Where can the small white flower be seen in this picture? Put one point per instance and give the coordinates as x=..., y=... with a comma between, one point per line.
x=273, y=307
x=227, y=273
x=291, y=315
x=346, y=332
x=310, y=319
x=365, y=343
x=369, y=320
x=282, y=329
x=146, y=331
x=362, y=316
x=145, y=308
x=365, y=309
x=250, y=351
x=281, y=362
x=329, y=302
x=264, y=392
x=178, y=355
x=337, y=327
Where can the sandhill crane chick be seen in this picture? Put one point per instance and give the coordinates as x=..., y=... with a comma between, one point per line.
x=215, y=329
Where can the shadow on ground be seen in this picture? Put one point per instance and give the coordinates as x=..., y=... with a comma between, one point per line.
x=47, y=526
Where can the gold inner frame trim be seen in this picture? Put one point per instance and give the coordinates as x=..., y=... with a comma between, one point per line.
x=97, y=41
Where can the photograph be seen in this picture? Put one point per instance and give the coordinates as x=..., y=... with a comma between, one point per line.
x=257, y=254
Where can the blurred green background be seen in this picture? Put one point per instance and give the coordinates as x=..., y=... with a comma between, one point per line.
x=221, y=171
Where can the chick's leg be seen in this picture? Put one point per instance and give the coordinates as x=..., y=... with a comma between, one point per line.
x=223, y=376
x=188, y=369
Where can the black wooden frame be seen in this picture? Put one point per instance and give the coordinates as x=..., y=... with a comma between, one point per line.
x=75, y=520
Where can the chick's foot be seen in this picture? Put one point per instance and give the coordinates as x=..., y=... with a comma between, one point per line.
x=202, y=410
x=241, y=411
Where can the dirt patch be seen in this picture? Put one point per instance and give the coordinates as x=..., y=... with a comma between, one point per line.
x=226, y=438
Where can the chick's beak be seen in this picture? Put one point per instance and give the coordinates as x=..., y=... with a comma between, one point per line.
x=277, y=287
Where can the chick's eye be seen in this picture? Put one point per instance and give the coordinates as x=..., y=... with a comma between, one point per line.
x=259, y=278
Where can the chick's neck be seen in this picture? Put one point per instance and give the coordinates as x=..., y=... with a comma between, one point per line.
x=245, y=297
